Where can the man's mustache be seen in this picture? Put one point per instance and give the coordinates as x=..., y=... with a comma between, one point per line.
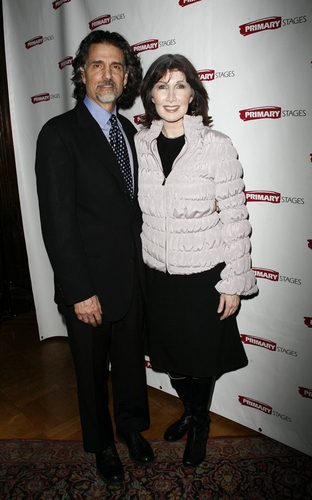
x=106, y=82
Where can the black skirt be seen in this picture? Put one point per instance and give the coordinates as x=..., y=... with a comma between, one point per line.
x=184, y=331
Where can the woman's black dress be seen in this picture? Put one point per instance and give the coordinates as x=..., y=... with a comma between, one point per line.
x=185, y=334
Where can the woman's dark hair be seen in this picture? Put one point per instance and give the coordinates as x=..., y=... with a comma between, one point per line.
x=158, y=69
x=132, y=60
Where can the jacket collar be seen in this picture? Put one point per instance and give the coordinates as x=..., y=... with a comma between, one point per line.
x=191, y=124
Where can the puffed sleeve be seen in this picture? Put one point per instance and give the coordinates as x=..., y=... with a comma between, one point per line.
x=237, y=276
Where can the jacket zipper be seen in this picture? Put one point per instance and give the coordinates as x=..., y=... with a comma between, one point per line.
x=157, y=157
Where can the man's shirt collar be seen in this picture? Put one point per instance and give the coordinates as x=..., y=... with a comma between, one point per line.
x=99, y=114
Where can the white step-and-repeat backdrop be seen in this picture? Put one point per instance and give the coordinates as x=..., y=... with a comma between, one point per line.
x=255, y=59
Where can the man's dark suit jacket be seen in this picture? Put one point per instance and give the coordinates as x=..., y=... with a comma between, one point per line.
x=90, y=227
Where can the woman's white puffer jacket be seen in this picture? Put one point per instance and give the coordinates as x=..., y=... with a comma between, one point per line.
x=182, y=231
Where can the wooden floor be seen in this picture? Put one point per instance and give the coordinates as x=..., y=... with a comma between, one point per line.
x=38, y=389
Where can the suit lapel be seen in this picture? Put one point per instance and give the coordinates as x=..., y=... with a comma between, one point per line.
x=98, y=142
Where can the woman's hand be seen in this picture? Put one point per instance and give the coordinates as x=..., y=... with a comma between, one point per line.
x=228, y=305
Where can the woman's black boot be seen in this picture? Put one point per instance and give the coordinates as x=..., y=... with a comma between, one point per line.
x=200, y=398
x=179, y=428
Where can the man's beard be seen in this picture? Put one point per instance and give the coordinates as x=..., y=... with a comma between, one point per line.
x=109, y=95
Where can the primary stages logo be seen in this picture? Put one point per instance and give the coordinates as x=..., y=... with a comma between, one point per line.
x=139, y=119
x=269, y=274
x=185, y=3
x=38, y=40
x=305, y=392
x=67, y=61
x=207, y=75
x=258, y=405
x=104, y=20
x=265, y=408
x=148, y=363
x=308, y=321
x=44, y=97
x=58, y=3
x=264, y=196
x=267, y=344
x=152, y=44
x=272, y=197
x=270, y=112
x=269, y=23
x=257, y=341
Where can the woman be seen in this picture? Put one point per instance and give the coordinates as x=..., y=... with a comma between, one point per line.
x=196, y=244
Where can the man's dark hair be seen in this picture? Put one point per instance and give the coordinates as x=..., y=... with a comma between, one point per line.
x=158, y=69
x=132, y=61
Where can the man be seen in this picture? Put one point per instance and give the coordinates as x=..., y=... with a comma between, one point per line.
x=91, y=226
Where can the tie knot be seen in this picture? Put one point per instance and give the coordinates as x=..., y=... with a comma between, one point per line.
x=113, y=120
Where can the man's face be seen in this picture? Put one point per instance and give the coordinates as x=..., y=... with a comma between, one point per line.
x=104, y=74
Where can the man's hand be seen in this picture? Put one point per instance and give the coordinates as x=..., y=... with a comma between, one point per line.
x=89, y=311
x=228, y=305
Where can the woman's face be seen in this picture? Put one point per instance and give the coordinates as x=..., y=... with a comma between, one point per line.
x=172, y=96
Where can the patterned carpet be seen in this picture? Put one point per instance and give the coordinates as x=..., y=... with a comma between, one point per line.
x=240, y=468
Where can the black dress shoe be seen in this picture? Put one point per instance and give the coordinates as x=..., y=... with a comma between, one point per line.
x=140, y=450
x=109, y=466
